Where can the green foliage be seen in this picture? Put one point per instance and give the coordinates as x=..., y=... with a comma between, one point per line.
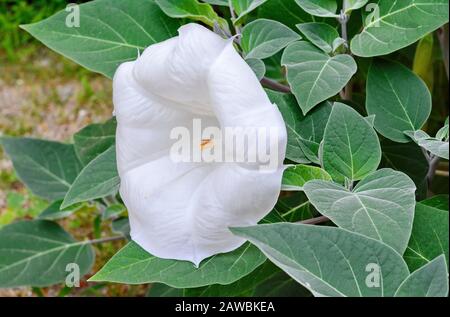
x=360, y=130
x=37, y=252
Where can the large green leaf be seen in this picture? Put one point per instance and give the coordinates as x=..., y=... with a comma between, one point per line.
x=191, y=9
x=284, y=11
x=351, y=149
x=328, y=261
x=397, y=24
x=110, y=32
x=266, y=280
x=381, y=206
x=94, y=139
x=295, y=177
x=48, y=168
x=430, y=280
x=304, y=132
x=36, y=253
x=134, y=265
x=429, y=237
x=98, y=179
x=398, y=98
x=321, y=35
x=313, y=75
x=263, y=38
x=320, y=8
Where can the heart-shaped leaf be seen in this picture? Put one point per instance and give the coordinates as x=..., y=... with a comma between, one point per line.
x=394, y=25
x=263, y=38
x=398, y=98
x=381, y=206
x=313, y=75
x=351, y=149
x=313, y=254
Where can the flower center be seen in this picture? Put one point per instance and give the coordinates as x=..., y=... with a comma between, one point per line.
x=206, y=144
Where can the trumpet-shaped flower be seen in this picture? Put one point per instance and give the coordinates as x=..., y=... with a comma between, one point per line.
x=182, y=210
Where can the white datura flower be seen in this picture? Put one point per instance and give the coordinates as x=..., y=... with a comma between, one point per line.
x=180, y=209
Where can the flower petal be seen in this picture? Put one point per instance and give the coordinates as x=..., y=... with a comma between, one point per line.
x=183, y=210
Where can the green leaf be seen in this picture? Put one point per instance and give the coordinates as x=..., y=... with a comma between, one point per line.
x=350, y=5
x=54, y=211
x=443, y=132
x=257, y=66
x=294, y=208
x=191, y=9
x=430, y=280
x=398, y=98
x=217, y=2
x=429, y=237
x=295, y=177
x=113, y=211
x=284, y=11
x=321, y=35
x=110, y=32
x=244, y=7
x=319, y=8
x=399, y=24
x=351, y=149
x=313, y=75
x=313, y=255
x=36, y=253
x=381, y=206
x=98, y=179
x=48, y=168
x=432, y=145
x=133, y=265
x=121, y=226
x=304, y=132
x=263, y=38
x=94, y=139
x=406, y=157
x=162, y=290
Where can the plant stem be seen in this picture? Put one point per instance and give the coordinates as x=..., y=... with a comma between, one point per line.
x=345, y=93
x=233, y=17
x=107, y=239
x=269, y=83
x=433, y=164
x=443, y=34
x=314, y=221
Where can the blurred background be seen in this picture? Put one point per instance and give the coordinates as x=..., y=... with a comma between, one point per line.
x=45, y=95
